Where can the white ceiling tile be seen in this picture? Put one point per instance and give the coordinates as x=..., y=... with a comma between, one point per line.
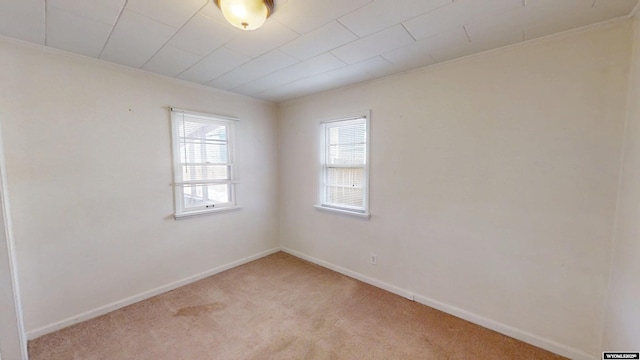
x=23, y=19
x=75, y=33
x=379, y=15
x=201, y=35
x=374, y=45
x=458, y=14
x=135, y=39
x=171, y=61
x=259, y=67
x=418, y=54
x=544, y=17
x=217, y=63
x=171, y=12
x=311, y=67
x=458, y=45
x=374, y=66
x=299, y=88
x=104, y=11
x=318, y=41
x=306, y=15
x=616, y=8
x=490, y=31
x=267, y=38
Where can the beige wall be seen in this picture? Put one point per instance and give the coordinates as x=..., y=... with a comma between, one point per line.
x=88, y=152
x=622, y=328
x=493, y=185
x=12, y=339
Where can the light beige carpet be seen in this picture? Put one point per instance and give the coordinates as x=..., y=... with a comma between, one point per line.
x=279, y=307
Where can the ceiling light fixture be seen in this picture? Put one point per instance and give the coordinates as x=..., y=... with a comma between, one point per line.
x=246, y=14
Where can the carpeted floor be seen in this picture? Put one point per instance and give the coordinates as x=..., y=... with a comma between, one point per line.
x=279, y=307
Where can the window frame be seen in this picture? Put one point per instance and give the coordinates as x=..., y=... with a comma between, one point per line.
x=325, y=125
x=178, y=182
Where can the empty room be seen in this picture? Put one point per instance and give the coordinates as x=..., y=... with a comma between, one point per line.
x=304, y=179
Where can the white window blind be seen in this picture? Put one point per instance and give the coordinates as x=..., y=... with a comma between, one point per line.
x=203, y=162
x=344, y=183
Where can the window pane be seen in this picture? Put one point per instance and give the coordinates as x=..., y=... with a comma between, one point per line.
x=206, y=194
x=346, y=177
x=203, y=142
x=347, y=154
x=348, y=134
x=205, y=172
x=346, y=144
x=345, y=196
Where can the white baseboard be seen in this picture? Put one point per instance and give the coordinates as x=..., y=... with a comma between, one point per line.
x=35, y=333
x=510, y=331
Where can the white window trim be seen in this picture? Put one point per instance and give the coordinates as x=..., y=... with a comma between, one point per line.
x=179, y=212
x=321, y=205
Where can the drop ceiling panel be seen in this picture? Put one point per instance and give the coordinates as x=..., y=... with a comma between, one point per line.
x=257, y=68
x=305, y=15
x=75, y=33
x=171, y=61
x=201, y=35
x=170, y=12
x=299, y=88
x=216, y=64
x=104, y=11
x=318, y=41
x=458, y=46
x=304, y=47
x=458, y=14
x=364, y=70
x=23, y=19
x=311, y=67
x=374, y=45
x=256, y=43
x=543, y=18
x=135, y=39
x=420, y=53
x=379, y=15
x=496, y=33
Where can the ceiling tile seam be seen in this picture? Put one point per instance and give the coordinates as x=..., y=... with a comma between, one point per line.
x=466, y=32
x=349, y=30
x=409, y=32
x=76, y=14
x=209, y=54
x=292, y=81
x=286, y=27
x=232, y=39
x=317, y=27
x=417, y=15
x=174, y=34
x=292, y=40
x=247, y=82
x=104, y=46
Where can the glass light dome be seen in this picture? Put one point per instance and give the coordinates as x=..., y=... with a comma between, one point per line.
x=246, y=14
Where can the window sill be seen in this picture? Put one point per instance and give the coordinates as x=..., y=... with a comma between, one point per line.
x=342, y=211
x=205, y=212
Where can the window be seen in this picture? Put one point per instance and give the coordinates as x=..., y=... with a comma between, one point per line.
x=345, y=166
x=203, y=160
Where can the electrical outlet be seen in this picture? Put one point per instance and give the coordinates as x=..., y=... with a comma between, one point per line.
x=374, y=259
